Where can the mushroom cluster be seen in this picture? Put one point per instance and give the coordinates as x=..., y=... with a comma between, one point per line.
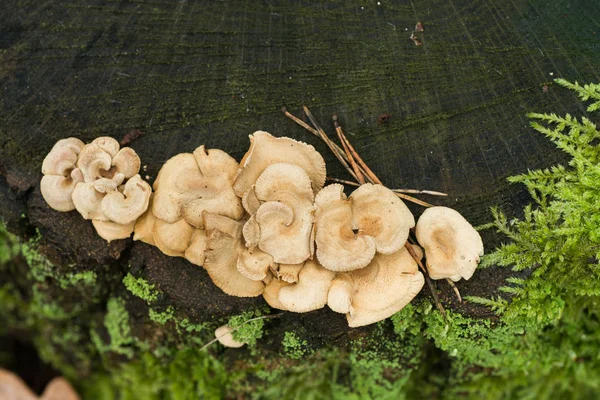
x=99, y=180
x=267, y=226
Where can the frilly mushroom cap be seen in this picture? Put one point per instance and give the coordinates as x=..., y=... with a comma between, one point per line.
x=224, y=336
x=310, y=293
x=452, y=246
x=110, y=231
x=255, y=264
x=376, y=292
x=223, y=247
x=289, y=272
x=195, y=251
x=13, y=387
x=87, y=201
x=348, y=232
x=127, y=207
x=266, y=150
x=103, y=159
x=94, y=163
x=60, y=174
x=338, y=247
x=144, y=227
x=62, y=158
x=58, y=190
x=271, y=293
x=283, y=222
x=59, y=389
x=173, y=239
x=127, y=162
x=189, y=184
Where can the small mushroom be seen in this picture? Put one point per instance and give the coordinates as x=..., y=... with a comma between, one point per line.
x=110, y=231
x=195, y=251
x=223, y=247
x=124, y=208
x=189, y=184
x=173, y=239
x=144, y=226
x=289, y=272
x=13, y=388
x=379, y=290
x=452, y=246
x=310, y=292
x=224, y=335
x=255, y=264
x=283, y=222
x=266, y=150
x=60, y=174
x=348, y=232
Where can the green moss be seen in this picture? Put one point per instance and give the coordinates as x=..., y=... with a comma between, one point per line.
x=247, y=327
x=141, y=288
x=293, y=346
x=116, y=323
x=162, y=317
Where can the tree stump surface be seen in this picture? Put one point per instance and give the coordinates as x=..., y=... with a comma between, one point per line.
x=191, y=73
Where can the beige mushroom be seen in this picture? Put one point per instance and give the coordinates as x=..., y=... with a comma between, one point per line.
x=195, y=251
x=59, y=389
x=255, y=264
x=144, y=227
x=289, y=272
x=189, y=184
x=452, y=246
x=127, y=162
x=94, y=163
x=110, y=231
x=87, y=201
x=223, y=247
x=108, y=144
x=173, y=239
x=124, y=208
x=13, y=388
x=266, y=150
x=224, y=335
x=283, y=222
x=271, y=293
x=348, y=232
x=60, y=174
x=310, y=293
x=376, y=292
x=102, y=159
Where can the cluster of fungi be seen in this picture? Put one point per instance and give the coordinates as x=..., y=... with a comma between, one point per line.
x=268, y=225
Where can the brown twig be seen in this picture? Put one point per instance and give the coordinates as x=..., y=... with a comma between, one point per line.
x=338, y=129
x=414, y=191
x=413, y=199
x=359, y=159
x=339, y=153
x=456, y=292
x=436, y=299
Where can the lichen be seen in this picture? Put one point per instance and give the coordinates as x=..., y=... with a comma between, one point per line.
x=141, y=288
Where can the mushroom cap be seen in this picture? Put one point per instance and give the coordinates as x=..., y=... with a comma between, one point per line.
x=271, y=293
x=127, y=162
x=59, y=389
x=338, y=247
x=348, y=232
x=310, y=293
x=255, y=264
x=224, y=335
x=452, y=246
x=58, y=190
x=144, y=228
x=250, y=201
x=173, y=239
x=289, y=272
x=94, y=163
x=110, y=231
x=87, y=201
x=13, y=387
x=127, y=207
x=62, y=158
x=266, y=150
x=189, y=184
x=195, y=251
x=376, y=292
x=223, y=247
x=108, y=144
x=283, y=222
